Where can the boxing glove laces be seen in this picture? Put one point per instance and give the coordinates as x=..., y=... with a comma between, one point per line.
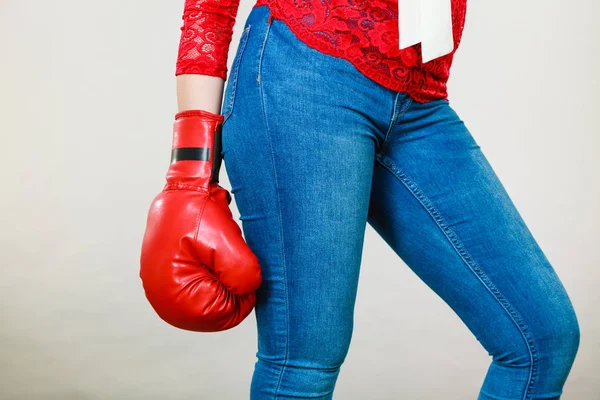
x=197, y=271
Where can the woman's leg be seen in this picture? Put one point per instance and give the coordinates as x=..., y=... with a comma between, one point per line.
x=438, y=203
x=299, y=155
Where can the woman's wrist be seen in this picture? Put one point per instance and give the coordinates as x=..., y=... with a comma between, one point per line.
x=199, y=92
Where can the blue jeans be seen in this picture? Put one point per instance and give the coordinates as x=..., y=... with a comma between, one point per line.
x=314, y=150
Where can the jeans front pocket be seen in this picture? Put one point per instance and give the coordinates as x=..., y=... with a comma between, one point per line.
x=230, y=88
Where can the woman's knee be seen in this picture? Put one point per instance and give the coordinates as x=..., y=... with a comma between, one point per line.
x=559, y=337
x=306, y=369
x=549, y=345
x=291, y=380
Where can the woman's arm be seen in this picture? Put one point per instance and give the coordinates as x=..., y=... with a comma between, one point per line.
x=201, y=68
x=199, y=92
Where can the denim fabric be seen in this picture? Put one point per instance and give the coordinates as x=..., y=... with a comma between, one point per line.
x=314, y=151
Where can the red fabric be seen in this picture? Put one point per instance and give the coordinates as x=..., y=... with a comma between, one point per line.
x=366, y=34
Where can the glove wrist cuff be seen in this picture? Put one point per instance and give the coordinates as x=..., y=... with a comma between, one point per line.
x=199, y=113
x=196, y=149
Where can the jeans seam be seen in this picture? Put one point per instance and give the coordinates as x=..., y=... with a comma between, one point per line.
x=394, y=120
x=235, y=72
x=262, y=49
x=473, y=266
x=279, y=214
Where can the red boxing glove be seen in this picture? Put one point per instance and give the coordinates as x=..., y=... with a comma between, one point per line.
x=197, y=271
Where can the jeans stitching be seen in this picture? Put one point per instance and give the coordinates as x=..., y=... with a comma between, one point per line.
x=466, y=257
x=262, y=49
x=234, y=71
x=268, y=135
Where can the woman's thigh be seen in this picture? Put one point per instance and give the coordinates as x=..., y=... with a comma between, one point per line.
x=299, y=157
x=439, y=204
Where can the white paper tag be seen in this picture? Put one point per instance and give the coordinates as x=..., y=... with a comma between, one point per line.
x=428, y=22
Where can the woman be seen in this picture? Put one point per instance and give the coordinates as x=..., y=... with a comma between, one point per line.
x=328, y=126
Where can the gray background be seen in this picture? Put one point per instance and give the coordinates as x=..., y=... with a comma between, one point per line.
x=87, y=104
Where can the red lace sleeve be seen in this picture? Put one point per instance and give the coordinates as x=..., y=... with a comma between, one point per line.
x=205, y=37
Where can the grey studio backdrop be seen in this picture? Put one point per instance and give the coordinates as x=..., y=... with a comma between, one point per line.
x=87, y=106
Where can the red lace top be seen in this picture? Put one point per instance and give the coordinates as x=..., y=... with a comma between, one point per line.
x=366, y=34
